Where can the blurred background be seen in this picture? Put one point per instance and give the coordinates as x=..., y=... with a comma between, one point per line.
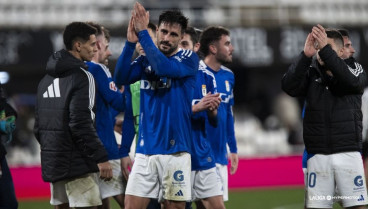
x=267, y=35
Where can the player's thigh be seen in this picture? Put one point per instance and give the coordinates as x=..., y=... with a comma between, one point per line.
x=176, y=182
x=320, y=182
x=83, y=191
x=115, y=186
x=223, y=173
x=58, y=193
x=214, y=202
x=206, y=183
x=350, y=179
x=143, y=177
x=135, y=202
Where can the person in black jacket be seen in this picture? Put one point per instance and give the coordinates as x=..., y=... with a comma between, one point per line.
x=71, y=151
x=7, y=125
x=332, y=126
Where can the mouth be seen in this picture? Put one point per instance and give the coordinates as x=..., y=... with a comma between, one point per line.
x=165, y=44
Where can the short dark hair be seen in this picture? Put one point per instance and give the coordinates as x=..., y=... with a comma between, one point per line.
x=211, y=35
x=101, y=30
x=343, y=32
x=174, y=17
x=336, y=36
x=193, y=33
x=152, y=26
x=77, y=30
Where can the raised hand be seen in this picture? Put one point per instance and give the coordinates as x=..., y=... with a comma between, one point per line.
x=309, y=46
x=131, y=34
x=141, y=17
x=320, y=36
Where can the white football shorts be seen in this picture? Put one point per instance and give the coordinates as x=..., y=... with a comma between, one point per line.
x=342, y=172
x=115, y=186
x=222, y=171
x=165, y=174
x=78, y=192
x=206, y=183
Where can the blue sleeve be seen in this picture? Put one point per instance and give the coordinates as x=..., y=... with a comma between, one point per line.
x=127, y=72
x=212, y=87
x=106, y=87
x=128, y=125
x=179, y=67
x=231, y=141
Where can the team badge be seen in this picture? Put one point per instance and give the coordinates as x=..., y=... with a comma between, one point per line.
x=227, y=85
x=204, y=90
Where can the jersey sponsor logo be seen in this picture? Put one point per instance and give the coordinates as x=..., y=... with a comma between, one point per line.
x=227, y=85
x=195, y=101
x=358, y=181
x=204, y=90
x=113, y=86
x=178, y=175
x=163, y=83
x=179, y=193
x=53, y=90
x=225, y=98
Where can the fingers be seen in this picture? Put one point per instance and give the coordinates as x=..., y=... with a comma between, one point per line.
x=319, y=32
x=105, y=171
x=126, y=173
x=140, y=11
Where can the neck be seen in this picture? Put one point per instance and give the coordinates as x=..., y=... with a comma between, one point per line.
x=95, y=59
x=75, y=54
x=212, y=63
x=174, y=52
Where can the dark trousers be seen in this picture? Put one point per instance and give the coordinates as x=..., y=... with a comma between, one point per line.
x=7, y=193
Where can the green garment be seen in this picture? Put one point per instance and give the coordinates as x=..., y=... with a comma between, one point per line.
x=135, y=90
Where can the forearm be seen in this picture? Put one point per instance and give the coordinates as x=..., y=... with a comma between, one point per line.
x=162, y=65
x=123, y=69
x=294, y=80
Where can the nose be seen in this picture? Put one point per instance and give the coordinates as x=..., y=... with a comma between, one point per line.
x=95, y=48
x=109, y=53
x=165, y=37
x=352, y=50
x=231, y=48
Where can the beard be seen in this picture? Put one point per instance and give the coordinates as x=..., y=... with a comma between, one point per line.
x=168, y=48
x=223, y=59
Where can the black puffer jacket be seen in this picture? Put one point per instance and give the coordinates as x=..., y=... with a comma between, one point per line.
x=333, y=117
x=64, y=126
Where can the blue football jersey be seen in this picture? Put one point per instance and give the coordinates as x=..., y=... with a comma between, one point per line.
x=108, y=97
x=167, y=85
x=202, y=156
x=223, y=134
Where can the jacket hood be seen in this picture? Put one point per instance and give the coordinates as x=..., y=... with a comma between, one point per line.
x=61, y=62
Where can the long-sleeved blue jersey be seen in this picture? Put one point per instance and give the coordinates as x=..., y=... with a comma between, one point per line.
x=107, y=97
x=224, y=132
x=202, y=156
x=167, y=85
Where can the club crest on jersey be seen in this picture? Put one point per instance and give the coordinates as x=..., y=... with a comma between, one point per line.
x=227, y=85
x=113, y=86
x=204, y=90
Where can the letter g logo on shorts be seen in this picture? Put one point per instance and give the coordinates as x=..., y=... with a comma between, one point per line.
x=358, y=181
x=178, y=175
